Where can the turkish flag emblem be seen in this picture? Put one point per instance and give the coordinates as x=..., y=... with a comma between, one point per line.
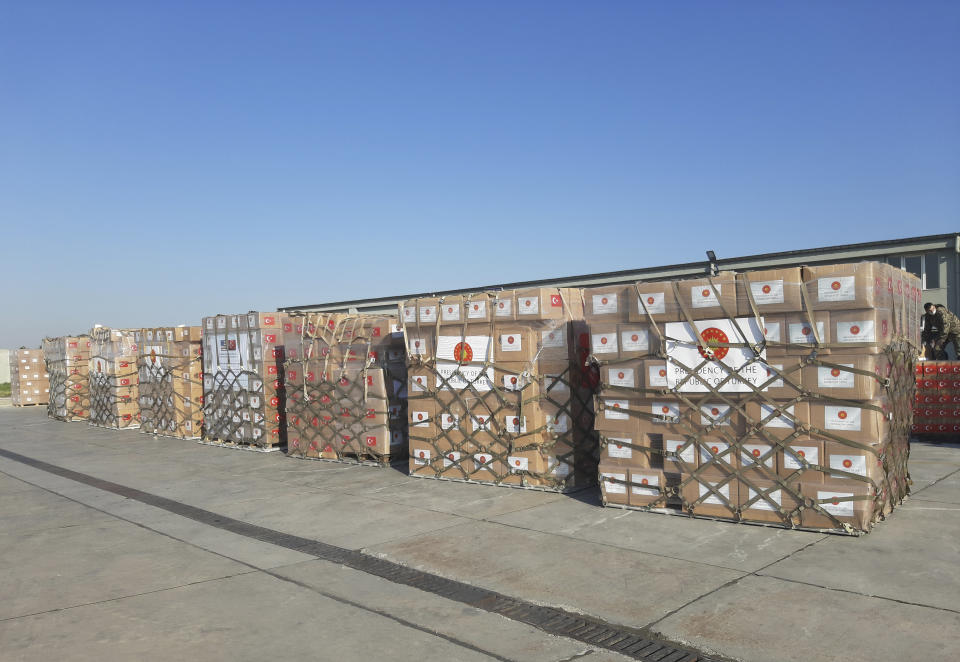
x=555, y=300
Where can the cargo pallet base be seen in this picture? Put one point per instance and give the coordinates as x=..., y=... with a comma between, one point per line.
x=240, y=447
x=352, y=459
x=490, y=483
x=135, y=426
x=169, y=436
x=934, y=437
x=677, y=512
x=31, y=404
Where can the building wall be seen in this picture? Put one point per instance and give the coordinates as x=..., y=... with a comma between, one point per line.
x=4, y=366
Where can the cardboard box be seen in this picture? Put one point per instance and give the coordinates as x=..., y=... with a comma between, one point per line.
x=843, y=504
x=803, y=455
x=837, y=376
x=513, y=343
x=653, y=303
x=866, y=331
x=784, y=378
x=770, y=291
x=767, y=501
x=636, y=340
x=613, y=484
x=646, y=488
x=842, y=287
x=802, y=336
x=607, y=304
x=845, y=462
x=857, y=424
x=711, y=497
x=777, y=420
x=709, y=298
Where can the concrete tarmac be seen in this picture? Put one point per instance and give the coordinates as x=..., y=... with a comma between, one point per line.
x=87, y=573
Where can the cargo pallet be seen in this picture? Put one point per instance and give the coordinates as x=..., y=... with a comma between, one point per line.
x=113, y=427
x=169, y=436
x=238, y=446
x=29, y=404
x=490, y=483
x=351, y=458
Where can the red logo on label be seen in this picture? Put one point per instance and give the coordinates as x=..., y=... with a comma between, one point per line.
x=513, y=381
x=835, y=372
x=807, y=331
x=756, y=452
x=765, y=289
x=556, y=301
x=715, y=449
x=847, y=464
x=620, y=375
x=376, y=332
x=603, y=300
x=509, y=340
x=269, y=321
x=841, y=415
x=854, y=330
x=713, y=336
x=635, y=337
x=270, y=338
x=501, y=305
x=603, y=340
x=463, y=352
x=665, y=409
x=705, y=293
x=644, y=481
x=662, y=373
x=835, y=285
x=517, y=462
x=528, y=303
x=715, y=411
x=651, y=300
x=801, y=453
x=371, y=441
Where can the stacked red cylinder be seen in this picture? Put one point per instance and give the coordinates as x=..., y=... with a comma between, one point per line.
x=936, y=408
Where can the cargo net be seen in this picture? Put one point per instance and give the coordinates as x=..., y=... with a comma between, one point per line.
x=113, y=379
x=171, y=385
x=501, y=397
x=345, y=383
x=798, y=418
x=67, y=363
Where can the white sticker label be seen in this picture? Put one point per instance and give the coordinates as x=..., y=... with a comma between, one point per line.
x=809, y=453
x=864, y=331
x=841, y=288
x=614, y=488
x=528, y=305
x=802, y=333
x=713, y=499
x=449, y=421
x=418, y=346
x=832, y=503
x=842, y=418
x=711, y=413
x=604, y=343
x=450, y=312
x=518, y=464
x=554, y=338
x=450, y=457
x=763, y=503
x=421, y=457
x=855, y=464
x=515, y=424
x=622, y=377
x=480, y=423
x=421, y=419
x=750, y=455
x=665, y=411
x=711, y=449
x=504, y=307
x=558, y=423
x=704, y=296
x=510, y=342
x=767, y=292
x=617, y=448
x=604, y=304
x=555, y=384
x=615, y=410
x=464, y=349
x=418, y=383
x=771, y=331
x=785, y=419
x=652, y=302
x=515, y=382
x=729, y=369
x=483, y=459
x=428, y=313
x=773, y=373
x=639, y=483
x=657, y=375
x=835, y=377
x=672, y=446
x=635, y=340
x=455, y=377
x=477, y=310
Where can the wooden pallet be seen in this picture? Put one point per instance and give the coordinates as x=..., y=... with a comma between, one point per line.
x=239, y=446
x=29, y=404
x=490, y=483
x=351, y=458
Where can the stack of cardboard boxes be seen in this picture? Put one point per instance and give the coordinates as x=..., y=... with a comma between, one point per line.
x=113, y=378
x=936, y=408
x=170, y=366
x=496, y=390
x=345, y=387
x=243, y=390
x=29, y=382
x=68, y=362
x=777, y=396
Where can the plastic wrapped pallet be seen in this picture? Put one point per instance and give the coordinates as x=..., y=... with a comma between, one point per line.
x=780, y=396
x=936, y=411
x=29, y=381
x=68, y=363
x=114, y=401
x=346, y=387
x=170, y=365
x=243, y=390
x=497, y=391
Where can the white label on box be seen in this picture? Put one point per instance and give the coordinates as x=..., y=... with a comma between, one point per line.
x=421, y=456
x=657, y=375
x=605, y=304
x=771, y=332
x=483, y=459
x=558, y=423
x=638, y=482
x=621, y=377
x=518, y=463
x=528, y=305
x=604, y=343
x=855, y=464
x=616, y=447
x=835, y=377
x=704, y=296
x=809, y=453
x=652, y=302
x=558, y=469
x=455, y=377
x=504, y=307
x=477, y=309
x=635, y=340
x=767, y=292
x=665, y=411
x=864, y=331
x=428, y=313
x=763, y=503
x=480, y=423
x=615, y=410
x=750, y=454
x=713, y=499
x=464, y=349
x=554, y=338
x=841, y=288
x=684, y=352
x=417, y=345
x=449, y=421
x=515, y=382
x=688, y=454
x=450, y=457
x=841, y=418
x=450, y=312
x=221, y=322
x=773, y=371
x=802, y=333
x=510, y=342
x=711, y=413
x=420, y=419
x=410, y=314
x=711, y=449
x=833, y=505
x=614, y=488
x=784, y=420
x=515, y=424
x=555, y=384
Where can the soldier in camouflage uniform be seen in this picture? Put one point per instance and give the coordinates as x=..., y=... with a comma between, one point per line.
x=947, y=330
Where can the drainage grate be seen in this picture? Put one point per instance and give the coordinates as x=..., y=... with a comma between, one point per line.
x=553, y=620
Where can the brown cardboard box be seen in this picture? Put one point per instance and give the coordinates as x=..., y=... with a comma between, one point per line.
x=772, y=291
x=646, y=487
x=681, y=453
x=853, y=423
x=452, y=310
x=505, y=306
x=541, y=303
x=513, y=343
x=778, y=420
x=633, y=449
x=604, y=341
x=845, y=502
x=713, y=496
x=709, y=298
x=615, y=415
x=758, y=459
x=864, y=331
x=843, y=287
x=838, y=379
x=607, y=304
x=636, y=340
x=614, y=491
x=654, y=302
x=767, y=501
x=784, y=377
x=626, y=374
x=843, y=460
x=800, y=335
x=553, y=341
x=804, y=455
x=478, y=307
x=717, y=456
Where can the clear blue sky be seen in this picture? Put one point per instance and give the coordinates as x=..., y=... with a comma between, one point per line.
x=161, y=161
